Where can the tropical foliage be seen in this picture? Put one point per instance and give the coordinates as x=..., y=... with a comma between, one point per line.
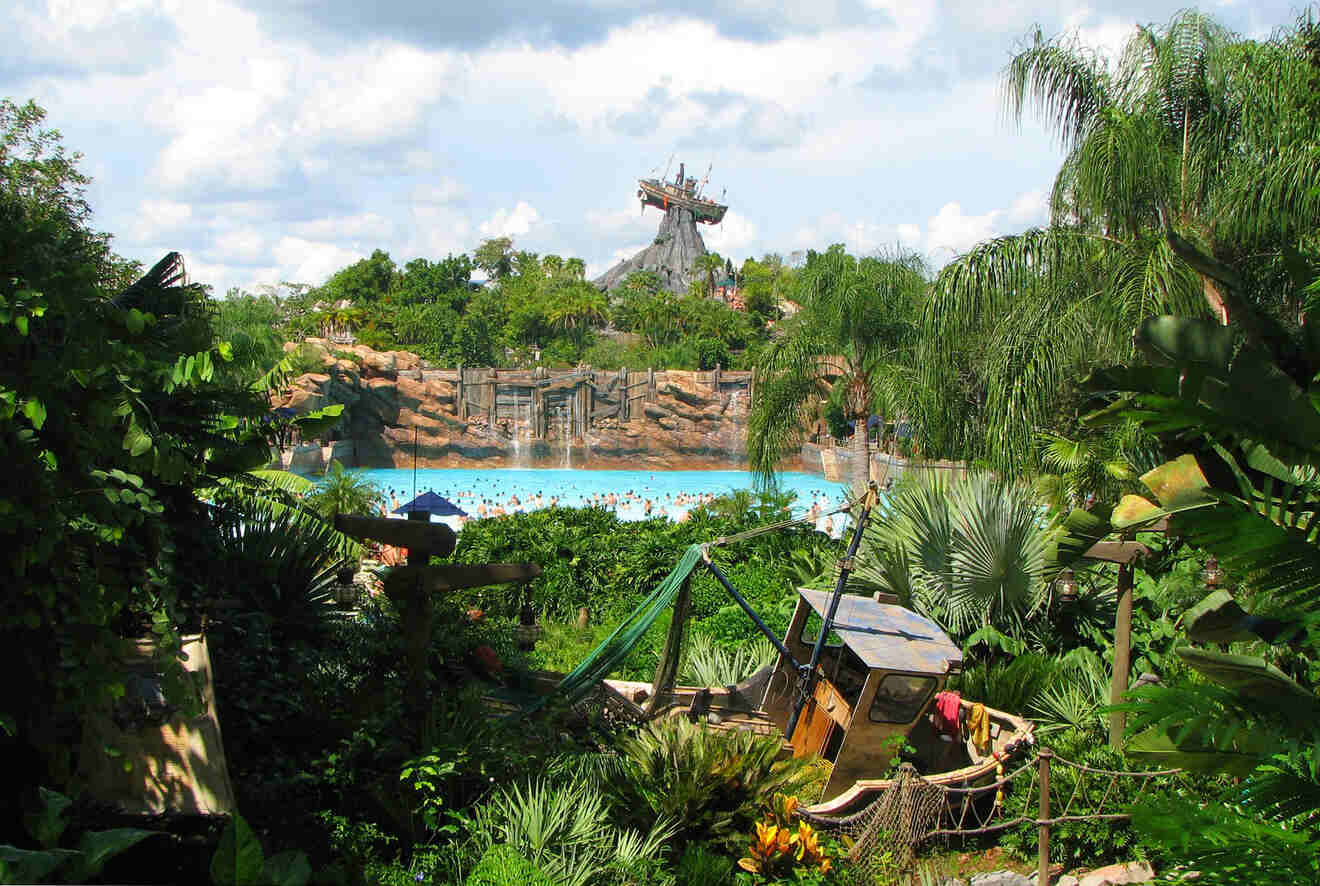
x=854, y=334
x=711, y=783
x=1187, y=187
x=341, y=491
x=968, y=552
x=1245, y=492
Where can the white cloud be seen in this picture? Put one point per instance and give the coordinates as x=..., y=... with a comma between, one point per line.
x=732, y=238
x=1031, y=208
x=312, y=262
x=159, y=219
x=440, y=192
x=244, y=246
x=909, y=236
x=364, y=226
x=510, y=222
x=951, y=231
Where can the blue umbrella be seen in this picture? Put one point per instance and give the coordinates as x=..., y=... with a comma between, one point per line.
x=436, y=505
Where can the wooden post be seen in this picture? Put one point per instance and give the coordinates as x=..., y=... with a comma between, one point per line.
x=589, y=396
x=623, y=395
x=666, y=672
x=418, y=613
x=650, y=385
x=1043, y=815
x=461, y=406
x=490, y=404
x=1122, y=654
x=715, y=380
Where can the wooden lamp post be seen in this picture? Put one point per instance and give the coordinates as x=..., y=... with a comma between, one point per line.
x=1125, y=553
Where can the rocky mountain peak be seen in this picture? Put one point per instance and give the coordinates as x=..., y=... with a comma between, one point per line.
x=672, y=255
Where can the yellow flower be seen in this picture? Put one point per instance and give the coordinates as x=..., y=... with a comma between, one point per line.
x=808, y=841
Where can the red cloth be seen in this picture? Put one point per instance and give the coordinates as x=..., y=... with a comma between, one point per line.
x=947, y=705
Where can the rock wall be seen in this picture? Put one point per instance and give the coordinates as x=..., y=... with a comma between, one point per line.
x=692, y=420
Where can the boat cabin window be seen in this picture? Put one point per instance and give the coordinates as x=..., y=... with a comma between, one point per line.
x=811, y=630
x=900, y=697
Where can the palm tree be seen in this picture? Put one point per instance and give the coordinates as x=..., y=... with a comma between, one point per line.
x=709, y=264
x=856, y=329
x=344, y=492
x=1181, y=159
x=574, y=308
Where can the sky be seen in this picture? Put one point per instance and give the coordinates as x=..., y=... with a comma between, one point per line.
x=280, y=140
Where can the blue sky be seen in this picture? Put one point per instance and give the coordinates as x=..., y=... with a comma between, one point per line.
x=271, y=140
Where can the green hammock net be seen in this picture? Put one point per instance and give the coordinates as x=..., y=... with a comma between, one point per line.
x=615, y=648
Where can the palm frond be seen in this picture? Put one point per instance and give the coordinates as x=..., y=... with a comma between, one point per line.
x=1065, y=83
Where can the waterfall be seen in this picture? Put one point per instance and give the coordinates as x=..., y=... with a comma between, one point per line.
x=522, y=426
x=517, y=438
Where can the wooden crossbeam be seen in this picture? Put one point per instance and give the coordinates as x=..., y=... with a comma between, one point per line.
x=456, y=576
x=435, y=538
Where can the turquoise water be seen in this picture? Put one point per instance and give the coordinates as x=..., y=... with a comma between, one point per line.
x=671, y=493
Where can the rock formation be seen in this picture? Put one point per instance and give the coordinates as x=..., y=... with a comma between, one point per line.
x=388, y=396
x=673, y=254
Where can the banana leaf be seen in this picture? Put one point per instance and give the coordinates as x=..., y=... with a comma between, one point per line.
x=1243, y=673
x=1159, y=749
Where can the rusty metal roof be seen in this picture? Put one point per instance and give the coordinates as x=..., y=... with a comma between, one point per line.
x=886, y=636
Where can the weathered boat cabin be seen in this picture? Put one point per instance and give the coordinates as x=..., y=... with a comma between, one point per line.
x=880, y=670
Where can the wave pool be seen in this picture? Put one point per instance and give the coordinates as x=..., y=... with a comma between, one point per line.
x=670, y=493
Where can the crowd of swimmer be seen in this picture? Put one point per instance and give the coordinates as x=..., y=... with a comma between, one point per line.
x=629, y=504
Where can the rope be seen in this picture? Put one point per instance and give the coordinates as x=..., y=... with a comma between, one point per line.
x=784, y=524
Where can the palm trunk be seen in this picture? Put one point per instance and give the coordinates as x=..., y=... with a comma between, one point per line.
x=861, y=460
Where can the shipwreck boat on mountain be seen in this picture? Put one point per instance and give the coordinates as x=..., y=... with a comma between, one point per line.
x=684, y=193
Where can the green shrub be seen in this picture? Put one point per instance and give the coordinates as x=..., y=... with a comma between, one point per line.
x=705, y=664
x=307, y=358
x=565, y=831
x=712, y=782
x=700, y=865
x=501, y=865
x=1009, y=686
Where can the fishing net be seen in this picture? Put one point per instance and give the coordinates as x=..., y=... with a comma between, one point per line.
x=887, y=831
x=911, y=810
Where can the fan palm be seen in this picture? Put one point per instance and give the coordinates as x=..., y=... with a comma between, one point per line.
x=966, y=553
x=856, y=329
x=1178, y=159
